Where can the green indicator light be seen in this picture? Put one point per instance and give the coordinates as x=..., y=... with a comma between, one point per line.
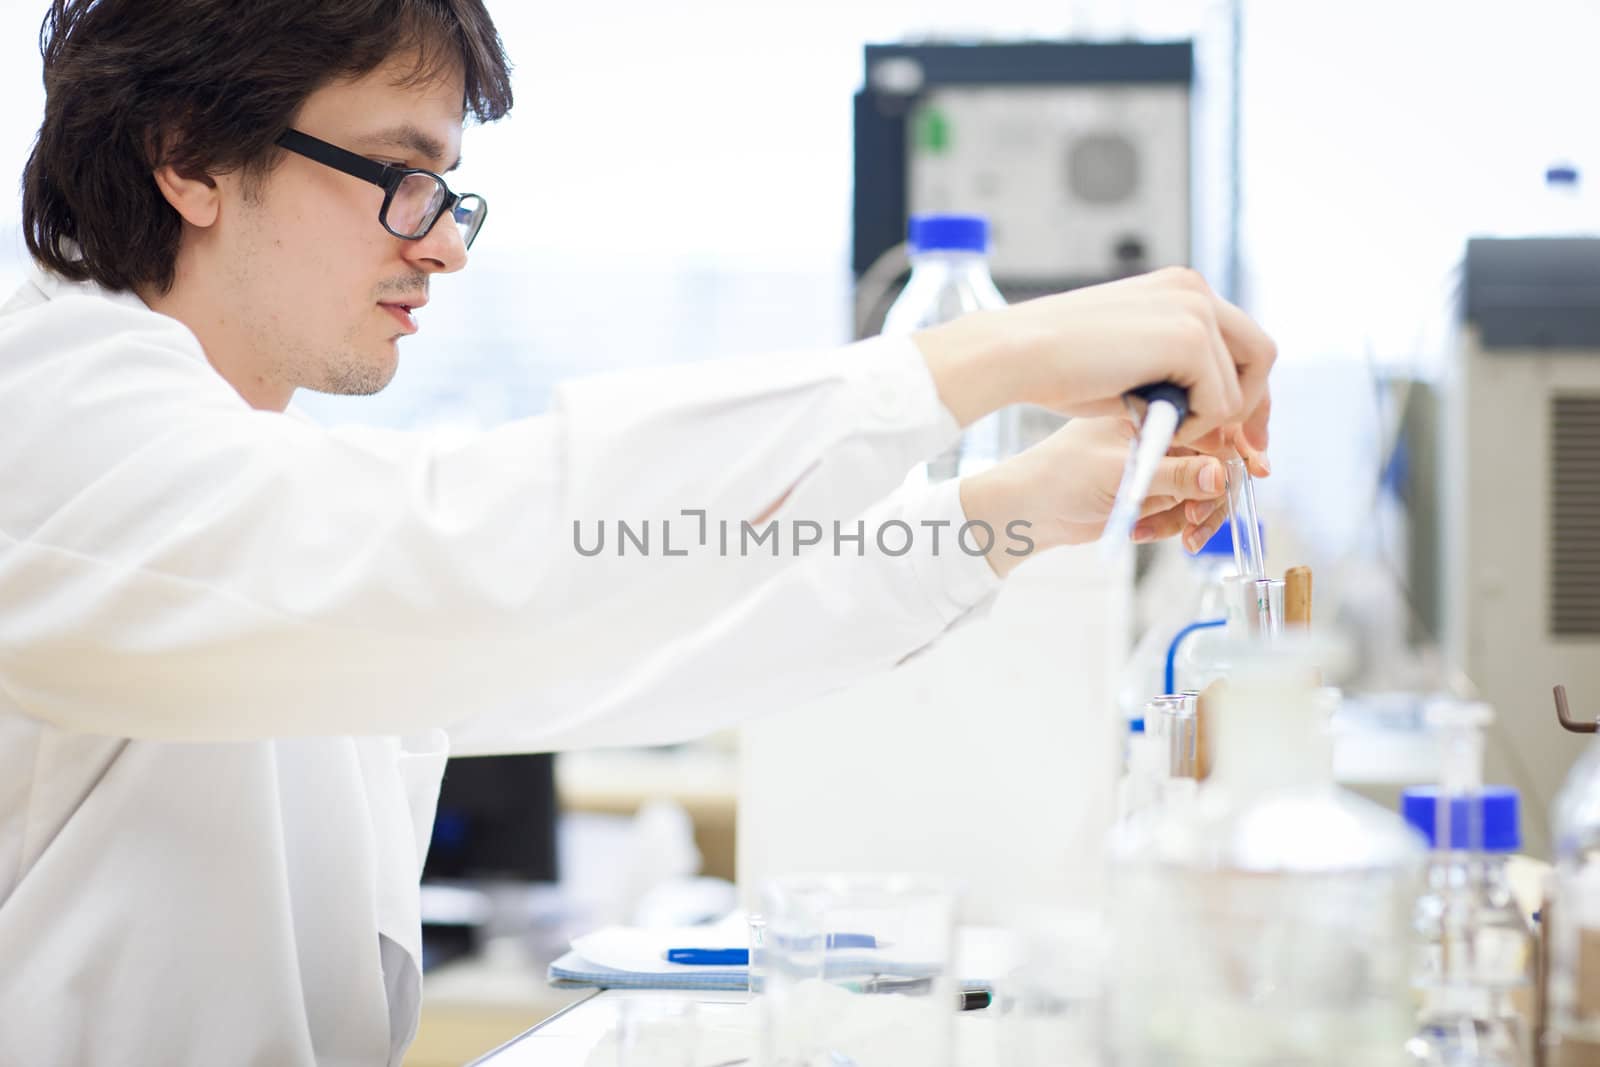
x=932, y=131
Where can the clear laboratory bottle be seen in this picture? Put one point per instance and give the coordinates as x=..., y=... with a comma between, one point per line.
x=1268, y=922
x=1571, y=919
x=1474, y=967
x=1552, y=200
x=1564, y=210
x=950, y=278
x=1186, y=595
x=1197, y=655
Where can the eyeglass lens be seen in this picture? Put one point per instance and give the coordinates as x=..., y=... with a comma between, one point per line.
x=416, y=203
x=469, y=216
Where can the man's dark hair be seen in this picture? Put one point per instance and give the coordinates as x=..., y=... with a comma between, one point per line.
x=206, y=86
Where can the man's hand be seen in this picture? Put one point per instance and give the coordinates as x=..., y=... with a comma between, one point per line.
x=1079, y=352
x=1065, y=485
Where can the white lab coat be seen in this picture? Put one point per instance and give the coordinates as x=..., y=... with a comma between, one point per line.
x=235, y=648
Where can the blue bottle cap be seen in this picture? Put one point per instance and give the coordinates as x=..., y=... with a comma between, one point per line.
x=1561, y=174
x=948, y=233
x=1493, y=813
x=1221, y=542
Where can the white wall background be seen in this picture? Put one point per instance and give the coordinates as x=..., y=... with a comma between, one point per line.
x=675, y=184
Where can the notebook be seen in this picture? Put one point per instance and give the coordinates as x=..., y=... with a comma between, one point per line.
x=621, y=957
x=625, y=957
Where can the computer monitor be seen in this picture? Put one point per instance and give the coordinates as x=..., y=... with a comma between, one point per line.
x=496, y=820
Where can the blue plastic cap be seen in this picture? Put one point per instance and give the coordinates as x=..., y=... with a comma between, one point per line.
x=1561, y=174
x=1496, y=819
x=948, y=233
x=1221, y=543
x=1136, y=726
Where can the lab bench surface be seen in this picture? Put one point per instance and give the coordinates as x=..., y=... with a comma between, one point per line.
x=473, y=1004
x=568, y=1038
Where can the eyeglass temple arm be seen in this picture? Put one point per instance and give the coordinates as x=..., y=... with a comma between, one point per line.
x=332, y=155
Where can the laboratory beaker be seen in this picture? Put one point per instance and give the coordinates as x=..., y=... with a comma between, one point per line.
x=652, y=1031
x=757, y=925
x=1045, y=1012
x=858, y=971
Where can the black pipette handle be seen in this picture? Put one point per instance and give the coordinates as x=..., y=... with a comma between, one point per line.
x=1176, y=395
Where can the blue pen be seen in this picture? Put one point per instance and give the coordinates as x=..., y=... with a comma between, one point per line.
x=710, y=957
x=740, y=957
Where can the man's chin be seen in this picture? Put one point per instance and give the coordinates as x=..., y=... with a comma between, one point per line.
x=360, y=378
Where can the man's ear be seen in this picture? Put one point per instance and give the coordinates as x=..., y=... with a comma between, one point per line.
x=195, y=197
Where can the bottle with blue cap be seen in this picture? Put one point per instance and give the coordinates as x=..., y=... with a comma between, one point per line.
x=950, y=278
x=1563, y=210
x=1475, y=946
x=1197, y=654
x=1181, y=648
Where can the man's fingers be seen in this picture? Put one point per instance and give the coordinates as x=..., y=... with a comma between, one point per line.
x=1227, y=369
x=1253, y=353
x=1188, y=478
x=1199, y=346
x=1198, y=511
x=1154, y=505
x=1199, y=533
x=1215, y=442
x=1255, y=462
x=1165, y=524
x=1255, y=426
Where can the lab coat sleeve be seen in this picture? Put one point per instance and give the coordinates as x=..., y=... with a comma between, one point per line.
x=856, y=605
x=174, y=565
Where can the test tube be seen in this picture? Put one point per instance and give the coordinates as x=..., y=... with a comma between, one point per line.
x=1185, y=747
x=1176, y=714
x=1269, y=606
x=1155, y=715
x=1254, y=606
x=1242, y=520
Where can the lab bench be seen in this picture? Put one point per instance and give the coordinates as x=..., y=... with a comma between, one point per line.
x=473, y=1004
x=568, y=1038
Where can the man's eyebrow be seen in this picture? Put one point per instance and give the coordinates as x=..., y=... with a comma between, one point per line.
x=408, y=137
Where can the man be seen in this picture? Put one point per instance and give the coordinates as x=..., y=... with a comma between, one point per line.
x=231, y=641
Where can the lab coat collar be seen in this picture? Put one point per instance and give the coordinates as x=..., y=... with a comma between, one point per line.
x=54, y=287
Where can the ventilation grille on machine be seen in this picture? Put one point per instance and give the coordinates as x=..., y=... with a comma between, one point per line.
x=1575, y=515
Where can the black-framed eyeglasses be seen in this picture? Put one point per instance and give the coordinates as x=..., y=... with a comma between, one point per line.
x=413, y=200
